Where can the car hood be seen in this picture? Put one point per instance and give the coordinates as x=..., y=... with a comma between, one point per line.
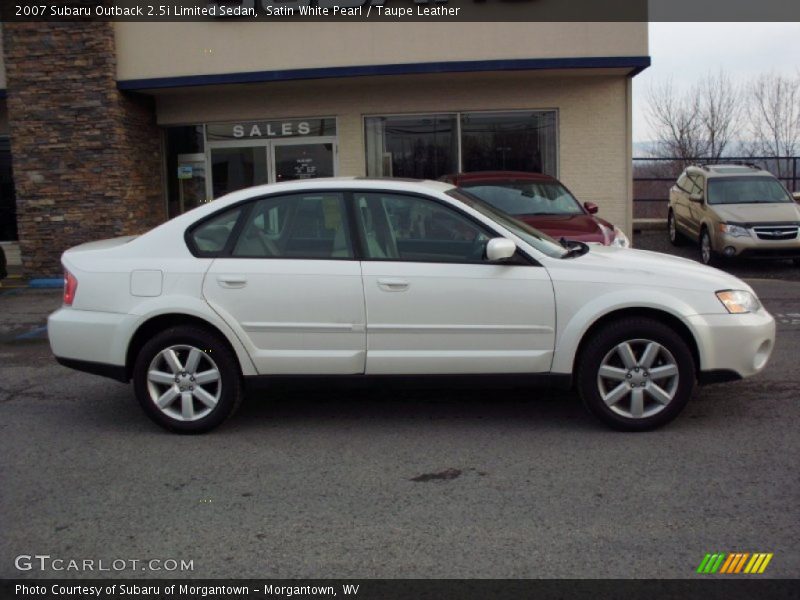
x=758, y=212
x=582, y=227
x=612, y=264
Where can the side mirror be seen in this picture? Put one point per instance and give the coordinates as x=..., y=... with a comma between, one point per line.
x=498, y=249
x=591, y=207
x=696, y=197
x=796, y=196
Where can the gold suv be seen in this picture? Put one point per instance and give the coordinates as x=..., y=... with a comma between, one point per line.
x=734, y=210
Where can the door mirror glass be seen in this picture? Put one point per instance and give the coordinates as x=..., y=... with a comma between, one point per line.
x=591, y=207
x=498, y=249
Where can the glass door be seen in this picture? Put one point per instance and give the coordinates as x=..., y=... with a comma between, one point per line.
x=304, y=159
x=235, y=166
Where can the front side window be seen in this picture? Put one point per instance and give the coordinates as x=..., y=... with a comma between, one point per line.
x=746, y=190
x=526, y=198
x=211, y=236
x=312, y=225
x=539, y=240
x=410, y=228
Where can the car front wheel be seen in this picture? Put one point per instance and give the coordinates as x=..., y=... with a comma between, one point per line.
x=636, y=374
x=187, y=380
x=707, y=254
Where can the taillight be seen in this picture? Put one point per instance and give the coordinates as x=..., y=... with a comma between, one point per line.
x=70, y=287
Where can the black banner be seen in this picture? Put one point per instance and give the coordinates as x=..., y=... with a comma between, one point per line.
x=402, y=10
x=402, y=589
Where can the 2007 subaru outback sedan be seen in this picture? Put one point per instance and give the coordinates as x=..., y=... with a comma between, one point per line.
x=343, y=277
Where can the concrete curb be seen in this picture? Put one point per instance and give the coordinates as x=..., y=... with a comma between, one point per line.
x=649, y=224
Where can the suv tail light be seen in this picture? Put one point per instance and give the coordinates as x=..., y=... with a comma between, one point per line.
x=70, y=287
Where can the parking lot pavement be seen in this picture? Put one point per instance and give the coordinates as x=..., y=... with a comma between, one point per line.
x=770, y=269
x=389, y=483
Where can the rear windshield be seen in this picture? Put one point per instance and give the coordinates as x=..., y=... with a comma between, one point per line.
x=746, y=190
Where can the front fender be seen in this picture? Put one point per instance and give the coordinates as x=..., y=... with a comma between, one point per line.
x=573, y=324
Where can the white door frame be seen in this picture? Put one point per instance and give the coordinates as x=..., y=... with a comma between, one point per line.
x=269, y=145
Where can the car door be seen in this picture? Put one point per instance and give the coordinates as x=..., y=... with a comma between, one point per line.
x=290, y=286
x=697, y=208
x=681, y=202
x=435, y=305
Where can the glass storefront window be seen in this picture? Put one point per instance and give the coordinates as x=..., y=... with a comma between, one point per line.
x=422, y=147
x=513, y=141
x=427, y=146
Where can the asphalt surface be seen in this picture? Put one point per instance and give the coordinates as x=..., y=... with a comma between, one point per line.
x=389, y=483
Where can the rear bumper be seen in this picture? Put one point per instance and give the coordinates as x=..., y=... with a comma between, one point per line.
x=734, y=345
x=91, y=341
x=102, y=369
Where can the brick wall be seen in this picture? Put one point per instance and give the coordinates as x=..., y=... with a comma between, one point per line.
x=86, y=158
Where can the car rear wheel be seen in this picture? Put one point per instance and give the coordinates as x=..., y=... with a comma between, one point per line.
x=707, y=254
x=187, y=380
x=636, y=374
x=672, y=230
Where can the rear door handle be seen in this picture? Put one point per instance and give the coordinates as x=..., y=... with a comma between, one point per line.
x=393, y=285
x=232, y=282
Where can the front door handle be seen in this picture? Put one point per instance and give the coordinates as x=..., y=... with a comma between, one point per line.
x=232, y=282
x=393, y=285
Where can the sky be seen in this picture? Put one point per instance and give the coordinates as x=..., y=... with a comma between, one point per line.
x=688, y=51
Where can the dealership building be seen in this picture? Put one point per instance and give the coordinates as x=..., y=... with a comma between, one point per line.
x=108, y=129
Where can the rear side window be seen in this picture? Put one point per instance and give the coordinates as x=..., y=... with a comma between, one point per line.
x=311, y=225
x=210, y=237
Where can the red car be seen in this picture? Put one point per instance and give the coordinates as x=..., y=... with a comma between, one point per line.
x=542, y=202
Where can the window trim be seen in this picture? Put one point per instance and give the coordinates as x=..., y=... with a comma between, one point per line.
x=357, y=244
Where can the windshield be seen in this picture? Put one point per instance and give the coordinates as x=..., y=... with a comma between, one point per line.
x=523, y=198
x=746, y=190
x=541, y=241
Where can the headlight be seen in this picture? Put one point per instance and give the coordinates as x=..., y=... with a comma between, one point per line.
x=738, y=301
x=620, y=239
x=734, y=230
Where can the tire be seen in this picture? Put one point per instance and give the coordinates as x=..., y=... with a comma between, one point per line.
x=620, y=410
x=707, y=255
x=194, y=374
x=672, y=230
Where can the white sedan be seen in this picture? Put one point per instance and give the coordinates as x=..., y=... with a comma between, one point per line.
x=343, y=277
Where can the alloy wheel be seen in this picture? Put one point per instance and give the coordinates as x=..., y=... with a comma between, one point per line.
x=705, y=247
x=638, y=378
x=184, y=383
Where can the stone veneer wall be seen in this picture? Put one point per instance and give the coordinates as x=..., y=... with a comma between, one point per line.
x=86, y=158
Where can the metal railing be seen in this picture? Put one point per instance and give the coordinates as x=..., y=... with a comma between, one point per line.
x=653, y=177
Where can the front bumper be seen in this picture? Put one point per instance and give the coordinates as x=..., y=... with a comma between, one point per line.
x=740, y=344
x=752, y=247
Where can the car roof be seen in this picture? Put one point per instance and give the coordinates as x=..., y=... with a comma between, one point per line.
x=478, y=176
x=338, y=183
x=728, y=170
